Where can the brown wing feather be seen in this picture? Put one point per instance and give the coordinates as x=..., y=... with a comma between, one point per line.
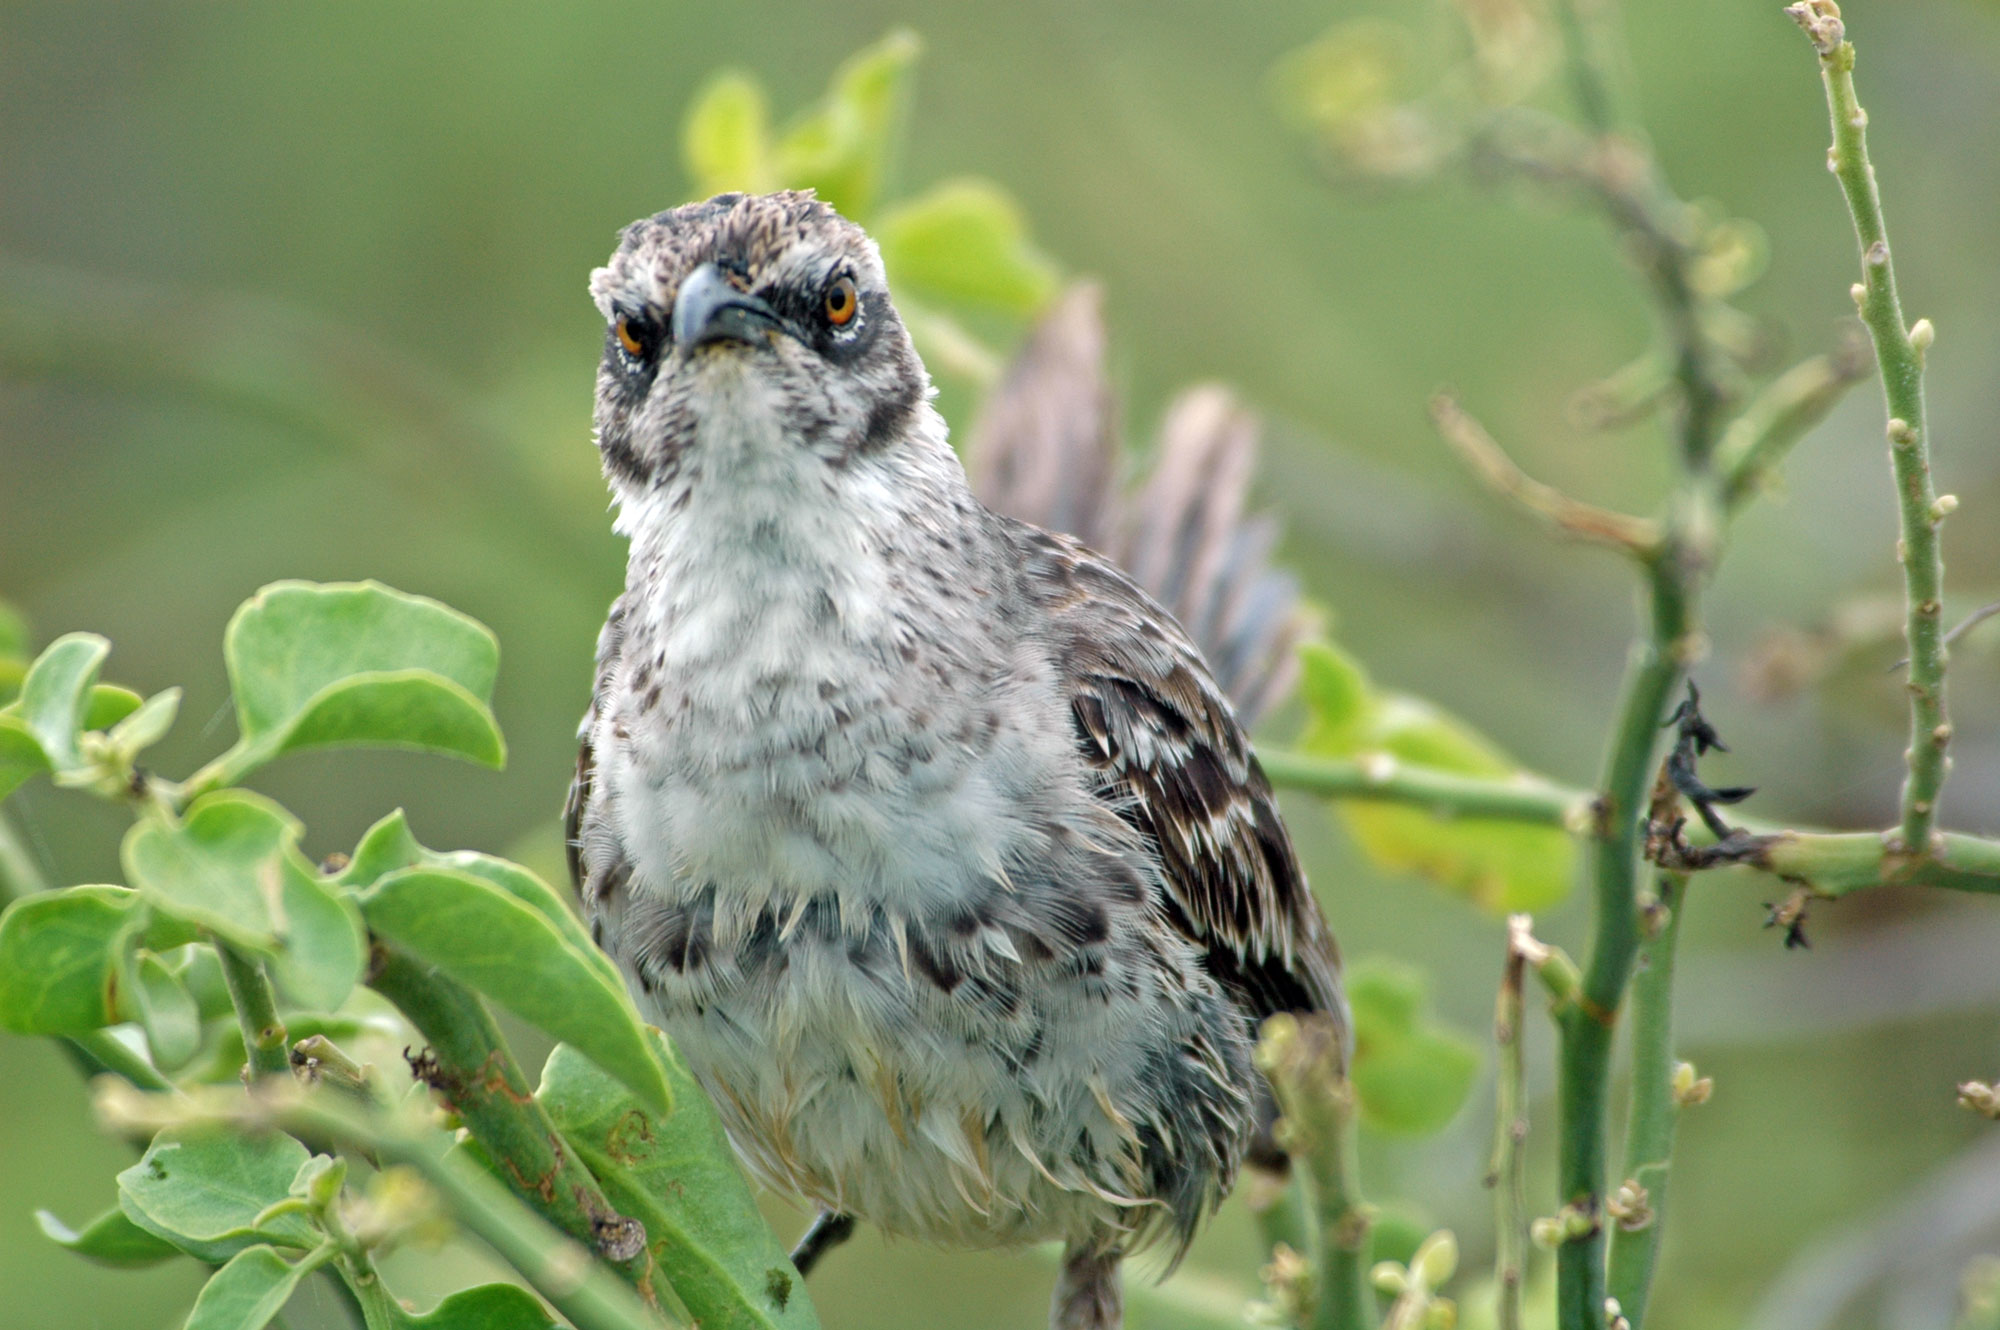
x=1176, y=764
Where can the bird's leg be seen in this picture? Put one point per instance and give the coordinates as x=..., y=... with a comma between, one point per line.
x=828, y=1231
x=1089, y=1295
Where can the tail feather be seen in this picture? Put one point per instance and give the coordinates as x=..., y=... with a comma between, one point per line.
x=1047, y=450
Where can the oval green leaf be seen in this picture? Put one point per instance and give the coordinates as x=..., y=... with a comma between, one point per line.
x=493, y=942
x=841, y=148
x=21, y=755
x=965, y=242
x=110, y=1239
x=202, y=1190
x=677, y=1175
x=55, y=695
x=1410, y=1074
x=61, y=955
x=316, y=666
x=485, y=1307
x=233, y=866
x=726, y=141
x=167, y=1012
x=246, y=1293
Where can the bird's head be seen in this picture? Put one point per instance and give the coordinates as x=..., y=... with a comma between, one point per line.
x=748, y=321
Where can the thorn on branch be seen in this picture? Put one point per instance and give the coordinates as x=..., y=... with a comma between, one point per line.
x=1666, y=826
x=1790, y=915
x=1547, y=504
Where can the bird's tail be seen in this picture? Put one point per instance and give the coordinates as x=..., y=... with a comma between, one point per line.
x=1048, y=450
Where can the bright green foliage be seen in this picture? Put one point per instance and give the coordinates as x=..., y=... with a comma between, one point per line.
x=1410, y=1074
x=233, y=866
x=961, y=245
x=110, y=1239
x=965, y=242
x=1502, y=866
x=726, y=140
x=247, y=1292
x=674, y=1174
x=204, y=1192
x=61, y=959
x=320, y=666
x=20, y=756
x=490, y=940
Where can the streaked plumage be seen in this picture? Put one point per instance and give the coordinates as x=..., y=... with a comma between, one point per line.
x=925, y=833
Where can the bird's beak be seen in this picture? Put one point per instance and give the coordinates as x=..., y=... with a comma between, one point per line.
x=708, y=309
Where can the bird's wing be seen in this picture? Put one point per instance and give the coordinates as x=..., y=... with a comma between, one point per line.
x=1046, y=451
x=1172, y=759
x=589, y=874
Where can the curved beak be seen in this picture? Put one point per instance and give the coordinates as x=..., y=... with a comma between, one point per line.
x=708, y=309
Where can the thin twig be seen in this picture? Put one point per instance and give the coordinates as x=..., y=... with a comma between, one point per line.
x=1899, y=349
x=1787, y=409
x=1568, y=516
x=1507, y=1174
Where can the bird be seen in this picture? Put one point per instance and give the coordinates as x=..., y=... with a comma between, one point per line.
x=925, y=834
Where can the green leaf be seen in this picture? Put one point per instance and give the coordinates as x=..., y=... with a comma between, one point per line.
x=726, y=141
x=202, y=1190
x=167, y=1012
x=841, y=148
x=965, y=241
x=1499, y=865
x=14, y=635
x=233, y=866
x=60, y=958
x=56, y=694
x=677, y=1175
x=491, y=941
x=110, y=705
x=109, y=1239
x=317, y=666
x=20, y=755
x=1410, y=1074
x=147, y=724
x=246, y=1293
x=389, y=845
x=485, y=1307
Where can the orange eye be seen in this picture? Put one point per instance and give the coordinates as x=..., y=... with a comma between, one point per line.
x=628, y=337
x=841, y=302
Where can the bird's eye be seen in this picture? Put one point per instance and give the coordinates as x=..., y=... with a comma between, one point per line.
x=841, y=302
x=634, y=336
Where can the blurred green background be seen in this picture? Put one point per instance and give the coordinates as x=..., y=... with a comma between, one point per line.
x=374, y=222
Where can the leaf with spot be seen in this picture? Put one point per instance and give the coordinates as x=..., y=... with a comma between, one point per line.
x=1501, y=866
x=320, y=666
x=676, y=1174
x=203, y=1190
x=61, y=958
x=1411, y=1074
x=480, y=933
x=233, y=866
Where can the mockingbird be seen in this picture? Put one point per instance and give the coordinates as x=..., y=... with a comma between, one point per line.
x=926, y=835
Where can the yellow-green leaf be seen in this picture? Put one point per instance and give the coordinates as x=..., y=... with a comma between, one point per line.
x=965, y=242
x=726, y=141
x=1410, y=1074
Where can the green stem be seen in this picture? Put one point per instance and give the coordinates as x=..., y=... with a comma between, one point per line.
x=1585, y=1061
x=560, y=1270
x=1381, y=778
x=1508, y=1174
x=1302, y=1058
x=1649, y=1130
x=1841, y=863
x=1587, y=57
x=467, y=1062
x=264, y=1038
x=1901, y=357
x=1787, y=409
